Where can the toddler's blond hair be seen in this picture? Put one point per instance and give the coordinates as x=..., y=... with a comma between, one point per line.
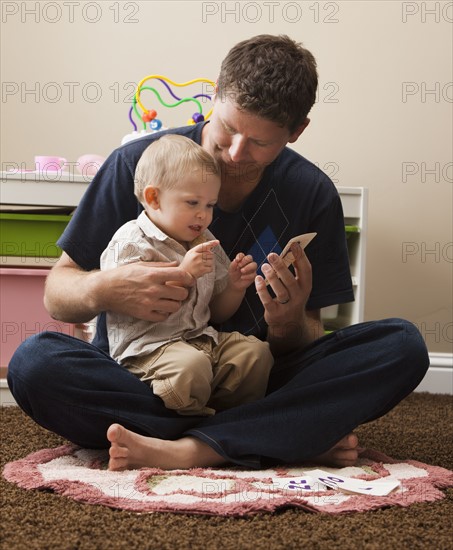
x=168, y=160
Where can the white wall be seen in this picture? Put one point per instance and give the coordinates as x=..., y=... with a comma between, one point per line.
x=383, y=119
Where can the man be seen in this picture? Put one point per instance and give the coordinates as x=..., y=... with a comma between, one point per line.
x=321, y=387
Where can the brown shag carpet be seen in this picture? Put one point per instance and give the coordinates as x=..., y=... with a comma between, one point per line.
x=420, y=428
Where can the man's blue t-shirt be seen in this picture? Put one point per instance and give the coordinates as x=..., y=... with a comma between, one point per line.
x=292, y=198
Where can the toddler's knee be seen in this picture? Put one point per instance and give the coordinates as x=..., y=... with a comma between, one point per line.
x=261, y=354
x=200, y=372
x=188, y=390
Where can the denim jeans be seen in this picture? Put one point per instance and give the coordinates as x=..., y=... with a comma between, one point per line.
x=315, y=396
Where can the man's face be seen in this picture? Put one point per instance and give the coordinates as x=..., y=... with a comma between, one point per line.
x=241, y=142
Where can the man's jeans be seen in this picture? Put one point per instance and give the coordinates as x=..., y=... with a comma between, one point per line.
x=315, y=397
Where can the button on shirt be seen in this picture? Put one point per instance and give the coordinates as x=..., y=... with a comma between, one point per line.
x=141, y=240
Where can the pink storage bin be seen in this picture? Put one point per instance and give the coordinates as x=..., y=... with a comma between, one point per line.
x=22, y=312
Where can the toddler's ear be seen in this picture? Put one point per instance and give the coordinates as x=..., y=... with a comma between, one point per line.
x=151, y=196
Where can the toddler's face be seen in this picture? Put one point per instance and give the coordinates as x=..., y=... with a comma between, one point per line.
x=186, y=210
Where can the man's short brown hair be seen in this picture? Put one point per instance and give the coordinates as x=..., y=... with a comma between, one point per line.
x=273, y=77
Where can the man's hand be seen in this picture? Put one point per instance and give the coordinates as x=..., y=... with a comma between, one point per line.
x=290, y=325
x=291, y=292
x=143, y=289
x=200, y=259
x=138, y=289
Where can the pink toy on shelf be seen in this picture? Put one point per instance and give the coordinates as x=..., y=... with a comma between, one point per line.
x=46, y=163
x=88, y=165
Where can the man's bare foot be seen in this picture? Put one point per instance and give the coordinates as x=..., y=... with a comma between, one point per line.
x=129, y=450
x=344, y=453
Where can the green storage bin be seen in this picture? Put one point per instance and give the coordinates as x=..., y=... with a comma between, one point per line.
x=31, y=234
x=351, y=230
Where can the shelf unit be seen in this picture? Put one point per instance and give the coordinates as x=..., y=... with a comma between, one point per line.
x=355, y=211
x=22, y=276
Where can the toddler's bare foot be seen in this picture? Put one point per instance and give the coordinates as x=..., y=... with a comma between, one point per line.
x=344, y=453
x=129, y=450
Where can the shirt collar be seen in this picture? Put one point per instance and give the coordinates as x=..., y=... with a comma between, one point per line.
x=150, y=229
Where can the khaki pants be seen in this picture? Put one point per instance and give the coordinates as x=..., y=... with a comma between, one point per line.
x=198, y=377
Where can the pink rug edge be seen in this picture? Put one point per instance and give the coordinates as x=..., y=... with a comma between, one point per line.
x=23, y=472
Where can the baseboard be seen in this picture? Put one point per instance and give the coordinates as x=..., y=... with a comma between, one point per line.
x=438, y=379
x=6, y=399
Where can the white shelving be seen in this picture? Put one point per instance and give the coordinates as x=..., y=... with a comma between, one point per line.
x=355, y=210
x=35, y=189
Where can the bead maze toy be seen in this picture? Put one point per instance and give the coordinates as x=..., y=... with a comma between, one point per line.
x=148, y=117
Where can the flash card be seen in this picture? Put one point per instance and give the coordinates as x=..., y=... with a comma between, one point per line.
x=306, y=483
x=287, y=256
x=303, y=241
x=379, y=488
x=320, y=480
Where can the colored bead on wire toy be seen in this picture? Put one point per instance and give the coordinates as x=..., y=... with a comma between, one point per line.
x=150, y=115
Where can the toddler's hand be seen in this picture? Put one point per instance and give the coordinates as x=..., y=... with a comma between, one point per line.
x=199, y=260
x=242, y=271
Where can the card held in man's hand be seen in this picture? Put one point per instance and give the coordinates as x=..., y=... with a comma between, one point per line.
x=287, y=256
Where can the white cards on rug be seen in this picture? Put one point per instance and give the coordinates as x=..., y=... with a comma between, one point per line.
x=320, y=480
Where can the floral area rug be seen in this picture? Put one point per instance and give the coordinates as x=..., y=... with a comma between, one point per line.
x=81, y=474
